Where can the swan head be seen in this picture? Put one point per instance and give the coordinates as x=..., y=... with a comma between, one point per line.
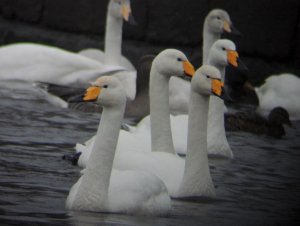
x=223, y=52
x=218, y=21
x=120, y=9
x=172, y=62
x=207, y=81
x=106, y=91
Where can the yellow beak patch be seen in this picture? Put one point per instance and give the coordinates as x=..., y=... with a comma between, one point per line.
x=232, y=57
x=92, y=93
x=226, y=26
x=216, y=86
x=125, y=11
x=188, y=68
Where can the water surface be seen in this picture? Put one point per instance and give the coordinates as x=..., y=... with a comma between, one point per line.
x=260, y=186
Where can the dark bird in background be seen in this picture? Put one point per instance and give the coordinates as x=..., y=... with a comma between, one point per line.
x=252, y=122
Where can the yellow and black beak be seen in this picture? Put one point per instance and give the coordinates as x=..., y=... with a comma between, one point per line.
x=125, y=11
x=90, y=95
x=218, y=89
x=229, y=28
x=234, y=60
x=188, y=68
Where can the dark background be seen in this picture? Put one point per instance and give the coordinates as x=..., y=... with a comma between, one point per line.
x=270, y=41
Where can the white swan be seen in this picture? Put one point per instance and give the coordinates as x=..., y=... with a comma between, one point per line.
x=166, y=64
x=216, y=23
x=40, y=63
x=102, y=189
x=190, y=177
x=117, y=10
x=183, y=178
x=222, y=53
x=280, y=90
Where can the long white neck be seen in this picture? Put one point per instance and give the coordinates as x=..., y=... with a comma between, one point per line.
x=100, y=161
x=161, y=136
x=113, y=40
x=217, y=143
x=209, y=38
x=197, y=180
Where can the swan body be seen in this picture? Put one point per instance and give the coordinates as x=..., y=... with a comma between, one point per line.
x=216, y=23
x=280, y=90
x=163, y=154
x=102, y=189
x=40, y=63
x=222, y=53
x=169, y=62
x=188, y=177
x=140, y=136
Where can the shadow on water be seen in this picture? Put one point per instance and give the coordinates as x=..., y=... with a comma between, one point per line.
x=260, y=186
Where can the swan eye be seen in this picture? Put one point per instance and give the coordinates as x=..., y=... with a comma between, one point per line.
x=179, y=59
x=219, y=18
x=223, y=48
x=105, y=86
x=207, y=76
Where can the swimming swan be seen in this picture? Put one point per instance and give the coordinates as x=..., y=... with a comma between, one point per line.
x=216, y=23
x=188, y=177
x=139, y=137
x=40, y=63
x=183, y=178
x=222, y=53
x=280, y=90
x=102, y=189
x=117, y=11
x=168, y=63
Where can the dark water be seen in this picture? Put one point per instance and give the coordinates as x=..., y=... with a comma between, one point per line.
x=261, y=186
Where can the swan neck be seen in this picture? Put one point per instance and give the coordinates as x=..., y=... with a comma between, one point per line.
x=209, y=38
x=113, y=40
x=161, y=136
x=100, y=162
x=196, y=179
x=220, y=67
x=197, y=133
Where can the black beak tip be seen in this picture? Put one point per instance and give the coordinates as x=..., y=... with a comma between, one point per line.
x=241, y=65
x=235, y=31
x=131, y=20
x=224, y=96
x=76, y=99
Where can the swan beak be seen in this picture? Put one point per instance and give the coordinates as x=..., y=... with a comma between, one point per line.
x=125, y=11
x=232, y=57
x=217, y=87
x=226, y=26
x=188, y=68
x=92, y=93
x=229, y=28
